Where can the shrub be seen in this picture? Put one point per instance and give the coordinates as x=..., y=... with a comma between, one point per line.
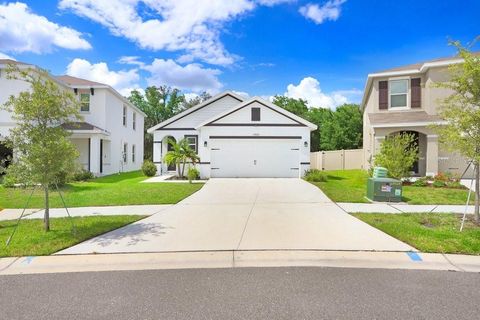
x=315, y=175
x=149, y=168
x=455, y=185
x=9, y=181
x=193, y=174
x=420, y=183
x=442, y=177
x=397, y=154
x=82, y=175
x=438, y=184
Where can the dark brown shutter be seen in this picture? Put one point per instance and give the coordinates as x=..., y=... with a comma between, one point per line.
x=383, y=95
x=416, y=93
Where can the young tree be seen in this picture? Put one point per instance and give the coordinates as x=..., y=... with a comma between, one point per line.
x=159, y=104
x=461, y=112
x=180, y=154
x=397, y=154
x=43, y=148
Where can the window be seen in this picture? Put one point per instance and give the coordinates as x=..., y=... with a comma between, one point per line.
x=134, y=121
x=125, y=150
x=192, y=142
x=84, y=102
x=255, y=114
x=133, y=153
x=124, y=116
x=398, y=93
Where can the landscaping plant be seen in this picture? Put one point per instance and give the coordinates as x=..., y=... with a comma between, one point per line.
x=397, y=154
x=44, y=149
x=193, y=174
x=149, y=168
x=180, y=154
x=315, y=175
x=461, y=113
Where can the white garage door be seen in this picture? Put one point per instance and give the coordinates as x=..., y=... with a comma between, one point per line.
x=252, y=158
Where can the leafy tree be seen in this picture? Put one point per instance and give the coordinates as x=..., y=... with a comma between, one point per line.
x=397, y=154
x=43, y=147
x=296, y=106
x=159, y=104
x=461, y=112
x=338, y=129
x=204, y=96
x=180, y=154
x=342, y=128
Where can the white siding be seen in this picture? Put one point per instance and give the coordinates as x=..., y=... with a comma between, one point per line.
x=267, y=115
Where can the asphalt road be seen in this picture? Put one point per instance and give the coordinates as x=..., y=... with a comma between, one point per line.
x=242, y=293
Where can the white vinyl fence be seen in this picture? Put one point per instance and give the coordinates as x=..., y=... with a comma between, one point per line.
x=337, y=159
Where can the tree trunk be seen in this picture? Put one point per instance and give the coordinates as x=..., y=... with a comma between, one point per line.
x=183, y=167
x=46, y=217
x=477, y=192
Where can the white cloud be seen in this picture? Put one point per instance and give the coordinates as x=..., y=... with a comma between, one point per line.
x=309, y=89
x=131, y=60
x=191, y=27
x=191, y=77
x=6, y=56
x=319, y=14
x=23, y=31
x=123, y=81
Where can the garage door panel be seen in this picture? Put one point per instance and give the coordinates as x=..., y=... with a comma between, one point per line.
x=255, y=158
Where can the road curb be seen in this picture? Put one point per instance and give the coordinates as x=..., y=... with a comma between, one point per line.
x=238, y=259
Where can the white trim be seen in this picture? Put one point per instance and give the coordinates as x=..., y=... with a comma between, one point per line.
x=262, y=101
x=192, y=109
x=407, y=93
x=407, y=124
x=432, y=136
x=379, y=137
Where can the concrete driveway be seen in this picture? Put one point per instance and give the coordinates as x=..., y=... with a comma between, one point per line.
x=246, y=214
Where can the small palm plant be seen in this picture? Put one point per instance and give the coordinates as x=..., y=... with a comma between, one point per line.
x=180, y=154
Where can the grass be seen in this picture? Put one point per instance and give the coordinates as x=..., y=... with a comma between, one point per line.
x=351, y=186
x=428, y=232
x=31, y=240
x=117, y=189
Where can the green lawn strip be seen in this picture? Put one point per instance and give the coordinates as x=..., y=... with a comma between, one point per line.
x=351, y=186
x=117, y=189
x=30, y=238
x=428, y=232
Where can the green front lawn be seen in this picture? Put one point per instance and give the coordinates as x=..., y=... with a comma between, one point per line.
x=31, y=240
x=428, y=232
x=117, y=189
x=351, y=186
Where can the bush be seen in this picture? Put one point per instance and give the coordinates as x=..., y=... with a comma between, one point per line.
x=397, y=154
x=455, y=185
x=193, y=174
x=149, y=168
x=82, y=175
x=315, y=175
x=438, y=184
x=420, y=183
x=9, y=181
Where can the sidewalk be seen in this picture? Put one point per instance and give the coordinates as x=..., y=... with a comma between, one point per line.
x=147, y=210
x=401, y=208
x=234, y=259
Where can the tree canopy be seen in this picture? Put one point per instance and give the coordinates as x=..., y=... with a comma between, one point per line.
x=341, y=128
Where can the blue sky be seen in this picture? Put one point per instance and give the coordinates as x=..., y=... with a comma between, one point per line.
x=319, y=50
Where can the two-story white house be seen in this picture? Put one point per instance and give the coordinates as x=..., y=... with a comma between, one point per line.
x=110, y=136
x=405, y=99
x=238, y=137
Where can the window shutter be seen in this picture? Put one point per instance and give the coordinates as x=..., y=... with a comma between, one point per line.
x=416, y=93
x=383, y=95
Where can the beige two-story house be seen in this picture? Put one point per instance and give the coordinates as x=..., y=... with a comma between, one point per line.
x=404, y=99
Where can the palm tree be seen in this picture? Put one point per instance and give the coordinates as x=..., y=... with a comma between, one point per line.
x=180, y=154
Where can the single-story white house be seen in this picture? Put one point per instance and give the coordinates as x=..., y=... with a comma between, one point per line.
x=238, y=137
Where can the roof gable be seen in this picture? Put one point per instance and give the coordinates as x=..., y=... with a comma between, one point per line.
x=271, y=115
x=190, y=118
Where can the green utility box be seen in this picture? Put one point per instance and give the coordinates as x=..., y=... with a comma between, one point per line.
x=384, y=189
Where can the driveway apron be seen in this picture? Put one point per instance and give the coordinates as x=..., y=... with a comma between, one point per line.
x=246, y=214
